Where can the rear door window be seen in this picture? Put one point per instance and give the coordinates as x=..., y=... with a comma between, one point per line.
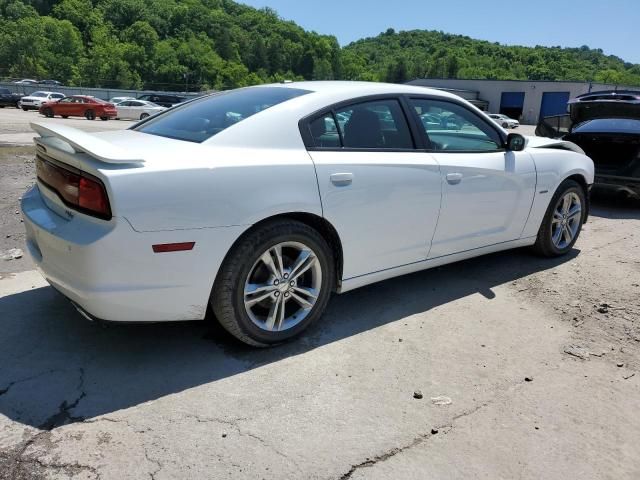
x=378, y=124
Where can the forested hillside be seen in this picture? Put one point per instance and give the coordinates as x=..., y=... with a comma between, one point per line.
x=418, y=53
x=201, y=44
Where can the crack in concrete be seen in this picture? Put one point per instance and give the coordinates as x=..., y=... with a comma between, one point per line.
x=370, y=462
x=63, y=415
x=157, y=463
x=22, y=380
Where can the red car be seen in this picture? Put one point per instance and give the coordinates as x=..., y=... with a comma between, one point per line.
x=79, y=106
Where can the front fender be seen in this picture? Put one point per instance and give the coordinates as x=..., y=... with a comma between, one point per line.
x=553, y=166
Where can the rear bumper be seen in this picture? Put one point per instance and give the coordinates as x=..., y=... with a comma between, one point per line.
x=111, y=272
x=631, y=184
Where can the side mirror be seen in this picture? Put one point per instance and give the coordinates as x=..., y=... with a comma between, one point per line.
x=515, y=142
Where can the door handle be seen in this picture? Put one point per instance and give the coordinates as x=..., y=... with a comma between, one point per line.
x=454, y=178
x=341, y=179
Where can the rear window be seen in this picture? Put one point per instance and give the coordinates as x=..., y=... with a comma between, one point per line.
x=201, y=119
x=609, y=125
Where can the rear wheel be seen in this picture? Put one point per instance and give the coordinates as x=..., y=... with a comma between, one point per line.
x=563, y=221
x=143, y=116
x=274, y=283
x=64, y=116
x=90, y=115
x=48, y=113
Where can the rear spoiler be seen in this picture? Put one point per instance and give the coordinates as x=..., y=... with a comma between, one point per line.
x=82, y=142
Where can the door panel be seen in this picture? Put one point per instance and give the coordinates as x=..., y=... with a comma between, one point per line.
x=384, y=205
x=486, y=199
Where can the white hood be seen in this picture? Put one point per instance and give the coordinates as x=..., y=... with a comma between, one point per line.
x=544, y=142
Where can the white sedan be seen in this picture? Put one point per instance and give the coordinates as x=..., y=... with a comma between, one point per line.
x=262, y=202
x=504, y=121
x=137, y=109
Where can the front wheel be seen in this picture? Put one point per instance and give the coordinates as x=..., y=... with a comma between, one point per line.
x=48, y=113
x=25, y=109
x=274, y=283
x=90, y=115
x=563, y=221
x=104, y=119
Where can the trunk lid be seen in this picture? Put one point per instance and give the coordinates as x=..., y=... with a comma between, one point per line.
x=110, y=157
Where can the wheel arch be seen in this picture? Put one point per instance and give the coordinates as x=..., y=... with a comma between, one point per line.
x=318, y=223
x=582, y=181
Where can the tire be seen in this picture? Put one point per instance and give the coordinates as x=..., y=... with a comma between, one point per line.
x=90, y=115
x=48, y=113
x=552, y=241
x=64, y=116
x=244, y=265
x=2, y=106
x=104, y=119
x=505, y=125
x=143, y=116
x=25, y=108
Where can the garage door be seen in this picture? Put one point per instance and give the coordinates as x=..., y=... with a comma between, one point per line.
x=511, y=104
x=554, y=103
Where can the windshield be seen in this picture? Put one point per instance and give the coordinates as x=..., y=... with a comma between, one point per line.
x=201, y=119
x=38, y=94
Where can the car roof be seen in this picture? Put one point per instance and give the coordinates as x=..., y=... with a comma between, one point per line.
x=360, y=88
x=276, y=123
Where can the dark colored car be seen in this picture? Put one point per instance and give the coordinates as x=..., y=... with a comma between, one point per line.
x=162, y=99
x=606, y=125
x=9, y=99
x=79, y=106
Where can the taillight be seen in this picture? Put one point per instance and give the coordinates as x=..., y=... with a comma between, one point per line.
x=77, y=189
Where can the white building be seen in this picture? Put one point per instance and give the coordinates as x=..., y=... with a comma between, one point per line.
x=525, y=100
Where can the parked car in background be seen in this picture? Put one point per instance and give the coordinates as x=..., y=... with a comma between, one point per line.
x=504, y=121
x=606, y=125
x=116, y=100
x=9, y=99
x=260, y=211
x=137, y=109
x=34, y=100
x=53, y=83
x=79, y=106
x=162, y=99
x=26, y=81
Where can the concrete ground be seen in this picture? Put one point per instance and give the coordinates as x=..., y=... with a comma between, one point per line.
x=528, y=368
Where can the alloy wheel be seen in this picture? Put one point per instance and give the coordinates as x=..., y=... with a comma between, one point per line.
x=282, y=286
x=566, y=220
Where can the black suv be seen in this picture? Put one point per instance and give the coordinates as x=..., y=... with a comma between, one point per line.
x=9, y=99
x=162, y=99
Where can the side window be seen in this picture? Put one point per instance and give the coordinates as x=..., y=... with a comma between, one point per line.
x=377, y=124
x=453, y=128
x=136, y=104
x=324, y=132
